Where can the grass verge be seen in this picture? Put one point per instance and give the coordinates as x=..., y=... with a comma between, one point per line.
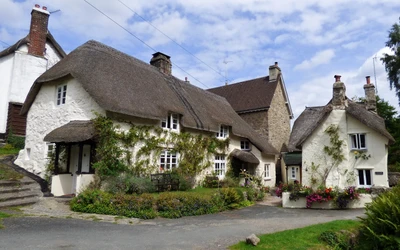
x=300, y=238
x=9, y=174
x=8, y=151
x=3, y=215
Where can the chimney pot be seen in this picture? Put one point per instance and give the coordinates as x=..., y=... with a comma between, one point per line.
x=276, y=63
x=44, y=7
x=37, y=5
x=162, y=62
x=368, y=79
x=337, y=78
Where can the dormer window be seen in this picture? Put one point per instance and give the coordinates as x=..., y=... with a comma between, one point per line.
x=61, y=94
x=171, y=122
x=223, y=132
x=244, y=145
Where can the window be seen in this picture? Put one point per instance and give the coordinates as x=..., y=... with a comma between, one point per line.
x=223, y=132
x=168, y=160
x=171, y=122
x=293, y=173
x=364, y=178
x=50, y=150
x=358, y=141
x=219, y=165
x=244, y=145
x=28, y=154
x=61, y=94
x=267, y=173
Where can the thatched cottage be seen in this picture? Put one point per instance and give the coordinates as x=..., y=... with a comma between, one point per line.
x=95, y=78
x=353, y=133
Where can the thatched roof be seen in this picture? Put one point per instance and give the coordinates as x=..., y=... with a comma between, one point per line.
x=125, y=85
x=312, y=117
x=74, y=131
x=244, y=156
x=26, y=40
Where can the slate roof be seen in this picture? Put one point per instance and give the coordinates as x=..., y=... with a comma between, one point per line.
x=252, y=95
x=26, y=40
x=312, y=117
x=122, y=84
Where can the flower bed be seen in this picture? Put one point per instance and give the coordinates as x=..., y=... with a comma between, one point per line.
x=297, y=196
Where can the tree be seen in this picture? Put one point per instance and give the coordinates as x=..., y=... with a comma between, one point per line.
x=392, y=122
x=392, y=62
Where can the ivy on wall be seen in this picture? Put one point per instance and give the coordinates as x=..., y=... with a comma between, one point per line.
x=138, y=149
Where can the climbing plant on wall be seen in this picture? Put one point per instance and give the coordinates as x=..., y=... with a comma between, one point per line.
x=333, y=151
x=138, y=149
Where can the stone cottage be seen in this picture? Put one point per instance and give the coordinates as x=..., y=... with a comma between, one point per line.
x=264, y=104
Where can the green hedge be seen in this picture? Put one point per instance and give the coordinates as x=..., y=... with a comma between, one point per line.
x=168, y=204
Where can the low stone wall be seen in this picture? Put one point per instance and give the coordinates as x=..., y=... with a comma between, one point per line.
x=394, y=178
x=301, y=202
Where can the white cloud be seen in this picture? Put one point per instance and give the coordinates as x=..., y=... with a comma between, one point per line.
x=321, y=57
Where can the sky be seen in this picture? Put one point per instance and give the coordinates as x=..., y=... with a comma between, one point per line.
x=211, y=41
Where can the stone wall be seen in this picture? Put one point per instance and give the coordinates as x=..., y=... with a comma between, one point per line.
x=258, y=121
x=394, y=178
x=278, y=120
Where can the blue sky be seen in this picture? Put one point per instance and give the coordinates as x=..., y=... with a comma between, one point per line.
x=311, y=39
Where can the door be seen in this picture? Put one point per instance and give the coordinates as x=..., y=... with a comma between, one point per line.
x=74, y=166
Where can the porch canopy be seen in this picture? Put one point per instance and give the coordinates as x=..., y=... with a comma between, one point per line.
x=245, y=156
x=74, y=131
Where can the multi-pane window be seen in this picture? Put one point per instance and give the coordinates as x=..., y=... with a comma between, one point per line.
x=358, y=141
x=61, y=94
x=168, y=160
x=51, y=148
x=293, y=173
x=171, y=122
x=244, y=145
x=267, y=173
x=219, y=165
x=223, y=132
x=364, y=178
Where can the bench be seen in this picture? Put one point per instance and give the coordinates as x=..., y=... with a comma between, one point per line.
x=165, y=182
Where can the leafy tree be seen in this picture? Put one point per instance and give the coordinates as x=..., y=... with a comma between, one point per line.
x=392, y=122
x=392, y=62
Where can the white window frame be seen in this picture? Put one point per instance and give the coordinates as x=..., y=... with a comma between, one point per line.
x=267, y=171
x=293, y=174
x=168, y=160
x=223, y=132
x=61, y=95
x=220, y=165
x=363, y=173
x=171, y=122
x=245, y=145
x=356, y=141
x=50, y=149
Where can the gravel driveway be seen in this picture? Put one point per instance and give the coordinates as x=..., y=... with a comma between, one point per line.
x=215, y=231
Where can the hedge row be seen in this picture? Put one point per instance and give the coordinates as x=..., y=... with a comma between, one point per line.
x=168, y=205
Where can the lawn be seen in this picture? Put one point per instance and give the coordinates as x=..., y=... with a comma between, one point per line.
x=8, y=151
x=300, y=238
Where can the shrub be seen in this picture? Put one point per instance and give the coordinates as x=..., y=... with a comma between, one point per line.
x=338, y=240
x=231, y=197
x=381, y=227
x=185, y=182
x=129, y=184
x=229, y=181
x=211, y=181
x=16, y=141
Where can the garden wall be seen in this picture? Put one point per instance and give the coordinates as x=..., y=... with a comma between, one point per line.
x=301, y=202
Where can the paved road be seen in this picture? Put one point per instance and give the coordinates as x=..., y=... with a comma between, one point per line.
x=216, y=231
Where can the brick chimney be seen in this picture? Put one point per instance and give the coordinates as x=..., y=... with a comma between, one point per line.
x=162, y=62
x=38, y=30
x=370, y=99
x=274, y=71
x=339, y=94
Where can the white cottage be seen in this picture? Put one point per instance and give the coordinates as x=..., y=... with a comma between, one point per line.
x=364, y=137
x=97, y=78
x=20, y=65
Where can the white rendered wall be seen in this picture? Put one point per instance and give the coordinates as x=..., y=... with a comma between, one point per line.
x=20, y=70
x=312, y=151
x=45, y=116
x=6, y=64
